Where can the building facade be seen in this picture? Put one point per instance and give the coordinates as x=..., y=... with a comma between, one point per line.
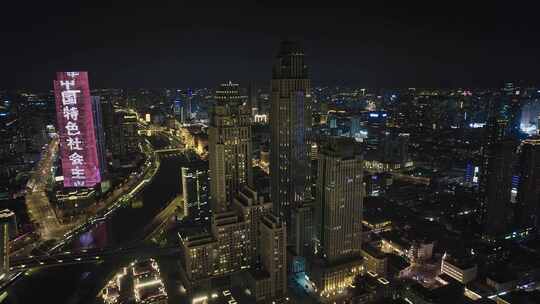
x=290, y=166
x=273, y=242
x=339, y=202
x=233, y=243
x=252, y=208
x=528, y=198
x=230, y=146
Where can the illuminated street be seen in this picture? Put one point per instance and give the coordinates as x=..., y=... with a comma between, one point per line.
x=39, y=208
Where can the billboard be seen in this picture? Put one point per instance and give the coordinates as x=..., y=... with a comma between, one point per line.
x=78, y=151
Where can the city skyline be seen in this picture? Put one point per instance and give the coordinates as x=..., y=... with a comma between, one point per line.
x=236, y=176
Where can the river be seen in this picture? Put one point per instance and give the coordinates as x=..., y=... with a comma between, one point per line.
x=80, y=283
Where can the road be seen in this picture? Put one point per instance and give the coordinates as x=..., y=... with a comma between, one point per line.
x=39, y=208
x=91, y=256
x=160, y=222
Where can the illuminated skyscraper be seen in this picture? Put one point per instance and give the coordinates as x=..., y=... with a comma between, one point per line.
x=75, y=124
x=338, y=216
x=189, y=190
x=290, y=166
x=230, y=146
x=339, y=204
x=195, y=193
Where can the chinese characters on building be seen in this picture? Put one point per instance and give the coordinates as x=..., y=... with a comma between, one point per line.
x=76, y=128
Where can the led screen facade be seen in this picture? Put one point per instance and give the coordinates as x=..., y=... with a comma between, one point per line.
x=78, y=150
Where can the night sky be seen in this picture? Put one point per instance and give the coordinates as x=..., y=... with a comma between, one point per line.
x=451, y=44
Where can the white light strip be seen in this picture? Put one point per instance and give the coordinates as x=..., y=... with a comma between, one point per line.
x=154, y=282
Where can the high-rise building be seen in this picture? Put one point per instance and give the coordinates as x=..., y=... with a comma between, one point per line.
x=125, y=138
x=338, y=217
x=198, y=254
x=339, y=201
x=273, y=242
x=189, y=190
x=302, y=226
x=229, y=93
x=230, y=146
x=290, y=165
x=496, y=185
x=252, y=207
x=495, y=182
x=253, y=98
x=107, y=109
x=355, y=126
x=528, y=198
x=6, y=220
x=395, y=148
x=75, y=119
x=233, y=243
x=100, y=134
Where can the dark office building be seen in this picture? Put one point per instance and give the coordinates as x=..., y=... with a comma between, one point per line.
x=528, y=199
x=100, y=135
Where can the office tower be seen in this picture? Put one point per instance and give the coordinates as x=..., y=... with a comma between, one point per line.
x=189, y=104
x=496, y=173
x=252, y=207
x=6, y=220
x=230, y=146
x=126, y=140
x=195, y=192
x=100, y=134
x=273, y=242
x=233, y=243
x=75, y=122
x=528, y=198
x=203, y=211
x=290, y=165
x=253, y=98
x=338, y=217
x=189, y=190
x=355, y=126
x=395, y=148
x=511, y=107
x=302, y=226
x=496, y=187
x=197, y=257
x=107, y=108
x=340, y=195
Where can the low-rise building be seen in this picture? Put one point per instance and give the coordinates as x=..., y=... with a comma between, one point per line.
x=463, y=270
